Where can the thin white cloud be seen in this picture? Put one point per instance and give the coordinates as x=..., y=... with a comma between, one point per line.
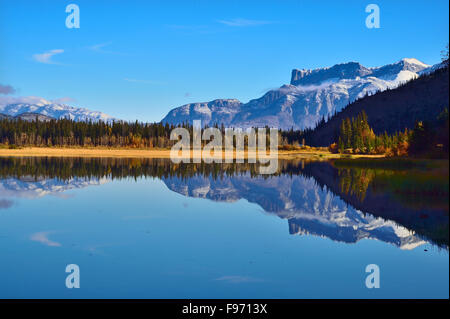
x=287, y=89
x=192, y=29
x=238, y=279
x=312, y=87
x=46, y=57
x=187, y=27
x=238, y=22
x=42, y=237
x=100, y=48
x=143, y=81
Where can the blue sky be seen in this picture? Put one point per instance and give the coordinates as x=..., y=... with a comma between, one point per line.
x=139, y=59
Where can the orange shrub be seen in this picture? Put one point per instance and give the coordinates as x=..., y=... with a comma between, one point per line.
x=333, y=148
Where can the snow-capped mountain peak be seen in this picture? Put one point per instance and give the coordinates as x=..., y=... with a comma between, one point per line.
x=348, y=70
x=54, y=110
x=413, y=61
x=220, y=110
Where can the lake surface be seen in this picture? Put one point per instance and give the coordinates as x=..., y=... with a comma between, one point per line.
x=152, y=229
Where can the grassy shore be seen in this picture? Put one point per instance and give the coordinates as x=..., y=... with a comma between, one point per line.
x=154, y=153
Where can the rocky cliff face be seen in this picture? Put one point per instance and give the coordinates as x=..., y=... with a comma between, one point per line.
x=350, y=70
x=217, y=111
x=353, y=70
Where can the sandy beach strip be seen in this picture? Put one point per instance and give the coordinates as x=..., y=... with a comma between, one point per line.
x=148, y=153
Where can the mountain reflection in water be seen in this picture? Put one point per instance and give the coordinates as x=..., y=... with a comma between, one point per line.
x=404, y=207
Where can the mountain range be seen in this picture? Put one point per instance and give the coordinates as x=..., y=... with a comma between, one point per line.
x=310, y=96
x=49, y=110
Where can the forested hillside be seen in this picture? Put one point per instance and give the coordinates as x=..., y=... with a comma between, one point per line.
x=422, y=99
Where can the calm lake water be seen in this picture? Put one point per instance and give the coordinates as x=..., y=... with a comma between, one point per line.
x=152, y=229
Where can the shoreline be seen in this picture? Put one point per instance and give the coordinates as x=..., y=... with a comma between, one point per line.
x=154, y=153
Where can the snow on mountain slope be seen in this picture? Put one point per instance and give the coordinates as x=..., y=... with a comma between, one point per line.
x=217, y=111
x=35, y=188
x=311, y=95
x=54, y=110
x=308, y=208
x=433, y=68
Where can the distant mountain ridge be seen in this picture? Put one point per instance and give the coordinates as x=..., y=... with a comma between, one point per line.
x=223, y=109
x=310, y=96
x=27, y=116
x=51, y=110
